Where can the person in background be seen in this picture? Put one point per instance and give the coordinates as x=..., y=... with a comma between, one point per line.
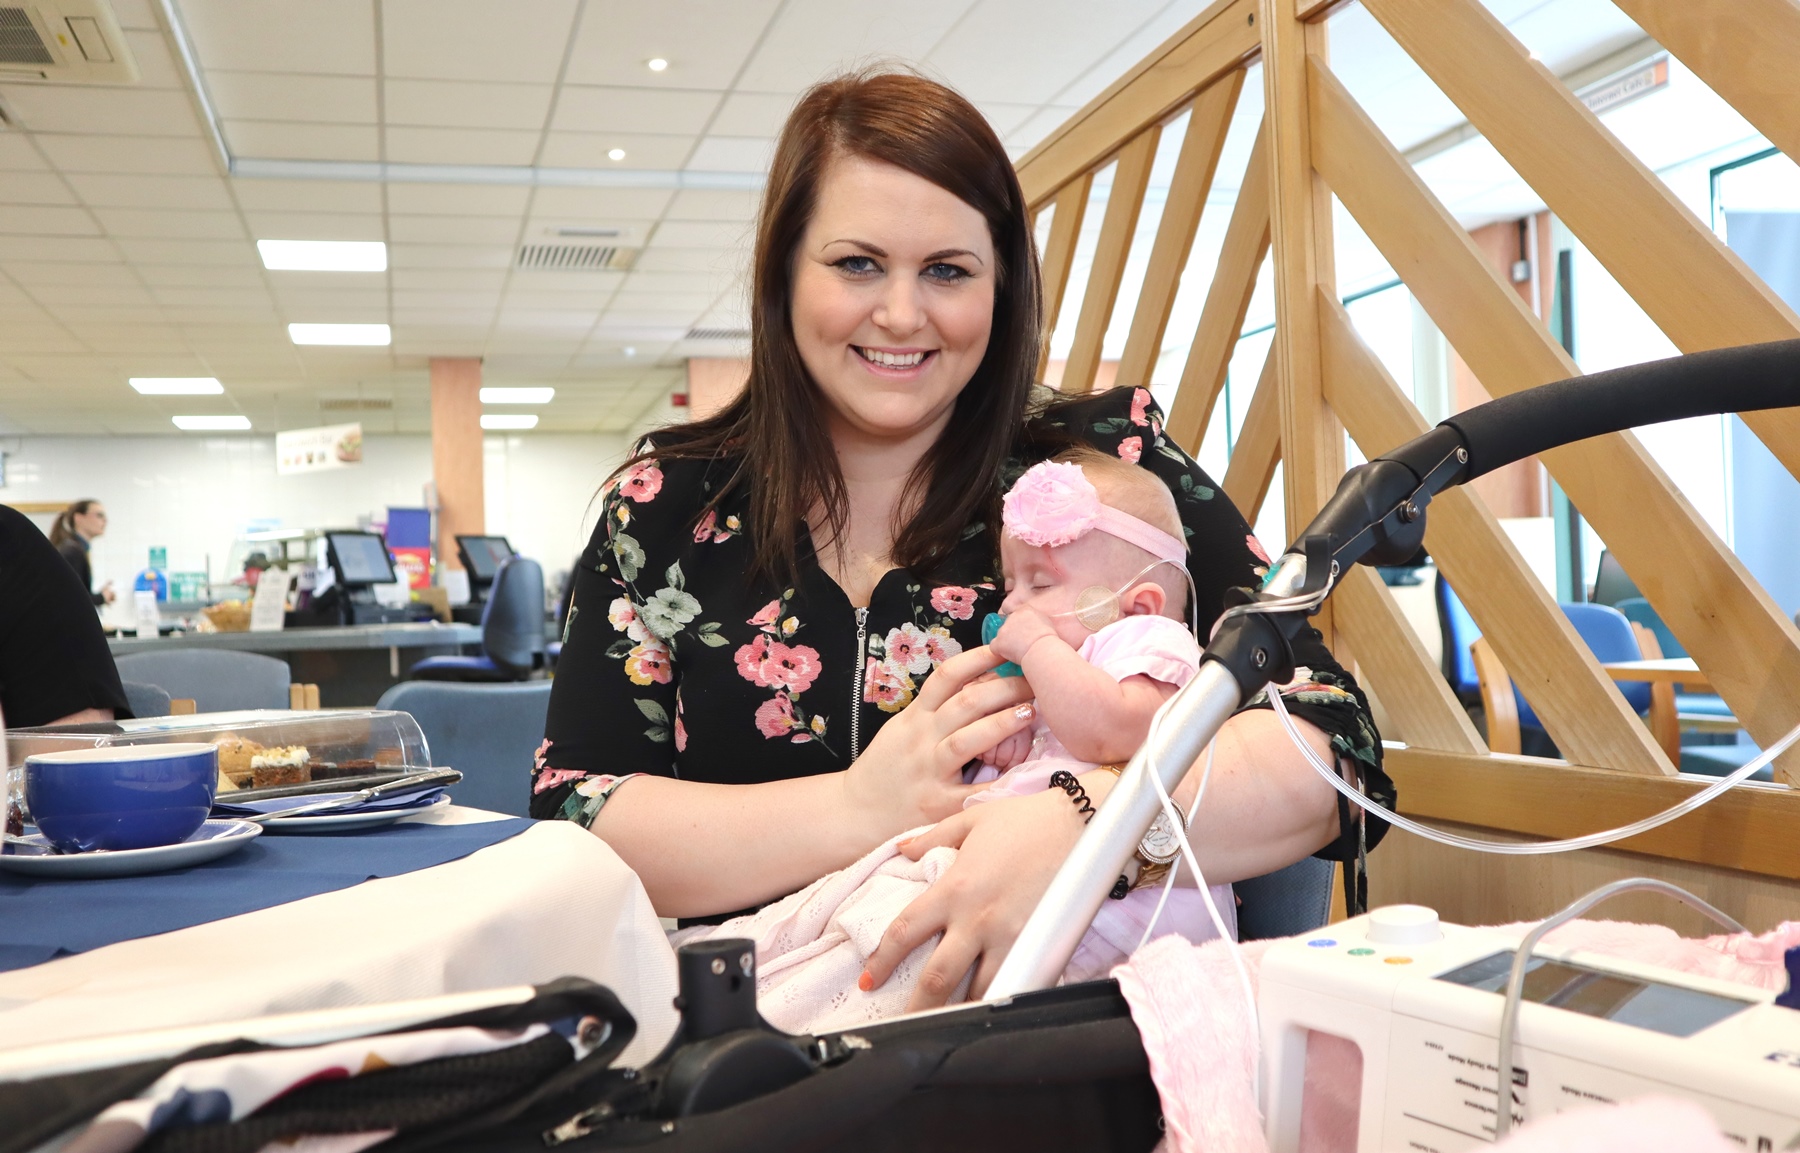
x=73, y=534
x=55, y=667
x=254, y=566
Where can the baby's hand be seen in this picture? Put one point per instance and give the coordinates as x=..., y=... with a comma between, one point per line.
x=1014, y=750
x=1024, y=627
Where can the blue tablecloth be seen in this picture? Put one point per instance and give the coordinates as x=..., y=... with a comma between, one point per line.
x=42, y=918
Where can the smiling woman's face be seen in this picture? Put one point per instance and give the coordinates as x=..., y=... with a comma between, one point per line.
x=893, y=300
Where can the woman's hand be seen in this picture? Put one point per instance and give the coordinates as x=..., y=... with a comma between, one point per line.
x=1009, y=850
x=911, y=774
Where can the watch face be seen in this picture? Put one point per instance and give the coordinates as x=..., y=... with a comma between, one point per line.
x=1160, y=845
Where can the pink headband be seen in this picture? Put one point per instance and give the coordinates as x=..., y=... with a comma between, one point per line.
x=1054, y=503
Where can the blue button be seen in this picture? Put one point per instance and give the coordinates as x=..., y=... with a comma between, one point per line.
x=1322, y=942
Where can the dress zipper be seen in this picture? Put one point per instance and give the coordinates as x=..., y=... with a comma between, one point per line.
x=857, y=682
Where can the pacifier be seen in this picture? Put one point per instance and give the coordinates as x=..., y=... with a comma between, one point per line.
x=990, y=628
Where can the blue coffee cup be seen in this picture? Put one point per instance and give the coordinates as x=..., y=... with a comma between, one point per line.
x=124, y=797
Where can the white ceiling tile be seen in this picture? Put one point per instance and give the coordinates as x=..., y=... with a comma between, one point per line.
x=714, y=204
x=732, y=154
x=1038, y=126
x=17, y=154
x=44, y=273
x=467, y=104
x=65, y=294
x=333, y=37
x=290, y=281
x=552, y=320
x=156, y=65
x=135, y=14
x=137, y=340
x=61, y=249
x=292, y=96
x=591, y=302
x=600, y=203
x=100, y=111
x=589, y=150
x=671, y=318
x=556, y=282
x=199, y=276
x=11, y=295
x=753, y=114
x=315, y=226
x=445, y=280
x=674, y=112
x=462, y=230
x=47, y=220
x=523, y=40
x=413, y=300
x=126, y=154
x=421, y=256
x=712, y=260
x=461, y=146
x=813, y=39
x=306, y=196
x=296, y=301
x=78, y=315
x=167, y=224
x=1006, y=117
x=1048, y=42
x=238, y=252
x=235, y=296
x=411, y=322
x=271, y=140
x=711, y=234
x=704, y=41
x=654, y=282
x=141, y=191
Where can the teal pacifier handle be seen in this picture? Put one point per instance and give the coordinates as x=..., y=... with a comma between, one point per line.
x=990, y=628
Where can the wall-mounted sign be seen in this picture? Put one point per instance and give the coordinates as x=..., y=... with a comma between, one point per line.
x=312, y=449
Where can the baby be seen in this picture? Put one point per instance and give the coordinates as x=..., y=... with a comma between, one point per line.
x=1097, y=587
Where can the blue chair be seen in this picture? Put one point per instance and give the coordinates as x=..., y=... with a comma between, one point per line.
x=488, y=732
x=512, y=631
x=146, y=700
x=1458, y=631
x=1284, y=903
x=216, y=680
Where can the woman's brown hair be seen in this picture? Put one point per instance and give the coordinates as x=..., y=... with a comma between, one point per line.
x=775, y=428
x=64, y=527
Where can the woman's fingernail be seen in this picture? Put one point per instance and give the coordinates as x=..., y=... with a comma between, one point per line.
x=1024, y=712
x=865, y=982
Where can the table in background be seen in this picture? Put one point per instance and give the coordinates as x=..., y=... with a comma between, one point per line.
x=1663, y=674
x=352, y=665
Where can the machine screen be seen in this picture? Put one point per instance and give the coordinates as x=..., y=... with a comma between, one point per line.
x=484, y=555
x=1662, y=1008
x=362, y=558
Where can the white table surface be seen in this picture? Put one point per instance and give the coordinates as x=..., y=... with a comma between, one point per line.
x=552, y=902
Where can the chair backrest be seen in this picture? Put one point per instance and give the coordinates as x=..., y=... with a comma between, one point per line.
x=1638, y=610
x=512, y=624
x=1611, y=584
x=1293, y=900
x=1609, y=637
x=146, y=700
x=216, y=680
x=488, y=731
x=1458, y=630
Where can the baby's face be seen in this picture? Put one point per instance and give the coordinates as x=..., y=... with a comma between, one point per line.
x=1051, y=580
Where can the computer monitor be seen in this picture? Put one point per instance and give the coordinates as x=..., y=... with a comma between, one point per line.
x=359, y=559
x=1611, y=583
x=482, y=556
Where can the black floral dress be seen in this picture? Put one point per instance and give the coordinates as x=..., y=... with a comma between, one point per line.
x=676, y=663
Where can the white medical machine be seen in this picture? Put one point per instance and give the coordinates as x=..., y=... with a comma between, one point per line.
x=1423, y=1002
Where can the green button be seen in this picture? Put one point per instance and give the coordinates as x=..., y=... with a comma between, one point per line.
x=1362, y=952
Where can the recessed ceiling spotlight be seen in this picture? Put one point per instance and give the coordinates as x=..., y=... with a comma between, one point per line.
x=323, y=255
x=177, y=385
x=615, y=154
x=656, y=64
x=503, y=422
x=341, y=334
x=517, y=395
x=630, y=351
x=212, y=423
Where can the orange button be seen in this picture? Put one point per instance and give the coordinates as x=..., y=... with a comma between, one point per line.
x=1398, y=960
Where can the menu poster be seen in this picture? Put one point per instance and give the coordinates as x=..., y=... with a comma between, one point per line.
x=268, y=605
x=314, y=449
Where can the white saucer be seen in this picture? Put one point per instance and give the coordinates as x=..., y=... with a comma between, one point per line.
x=33, y=855
x=345, y=822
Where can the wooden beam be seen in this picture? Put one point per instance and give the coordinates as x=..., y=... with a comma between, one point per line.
x=1124, y=201
x=1312, y=440
x=1752, y=827
x=1059, y=253
x=1258, y=448
x=1314, y=10
x=1744, y=50
x=1743, y=640
x=456, y=452
x=1391, y=660
x=1227, y=300
x=1208, y=121
x=1698, y=291
x=1582, y=710
x=1219, y=40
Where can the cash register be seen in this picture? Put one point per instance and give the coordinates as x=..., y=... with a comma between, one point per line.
x=359, y=561
x=481, y=559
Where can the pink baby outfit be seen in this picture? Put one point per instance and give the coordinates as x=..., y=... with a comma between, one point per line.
x=811, y=946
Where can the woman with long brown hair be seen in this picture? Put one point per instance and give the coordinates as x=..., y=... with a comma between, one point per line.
x=74, y=532
x=773, y=661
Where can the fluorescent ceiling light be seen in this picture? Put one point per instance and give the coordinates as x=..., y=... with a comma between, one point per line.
x=323, y=255
x=212, y=423
x=615, y=154
x=177, y=385
x=657, y=64
x=517, y=395
x=341, y=334
x=498, y=422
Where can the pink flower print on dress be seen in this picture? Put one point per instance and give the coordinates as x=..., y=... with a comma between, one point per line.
x=751, y=660
x=775, y=717
x=766, y=616
x=623, y=615
x=705, y=528
x=1256, y=548
x=957, y=602
x=791, y=667
x=680, y=729
x=886, y=687
x=1131, y=448
x=648, y=663
x=906, y=649
x=940, y=646
x=550, y=778
x=642, y=481
x=1140, y=402
x=538, y=760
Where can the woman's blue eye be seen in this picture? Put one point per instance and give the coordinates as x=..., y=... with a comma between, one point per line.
x=946, y=272
x=856, y=265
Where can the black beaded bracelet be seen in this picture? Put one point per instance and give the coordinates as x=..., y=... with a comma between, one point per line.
x=1066, y=781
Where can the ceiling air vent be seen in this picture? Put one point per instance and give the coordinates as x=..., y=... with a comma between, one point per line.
x=735, y=334
x=64, y=41
x=355, y=404
x=577, y=257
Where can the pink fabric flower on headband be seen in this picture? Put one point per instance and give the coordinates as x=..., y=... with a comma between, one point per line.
x=1053, y=504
